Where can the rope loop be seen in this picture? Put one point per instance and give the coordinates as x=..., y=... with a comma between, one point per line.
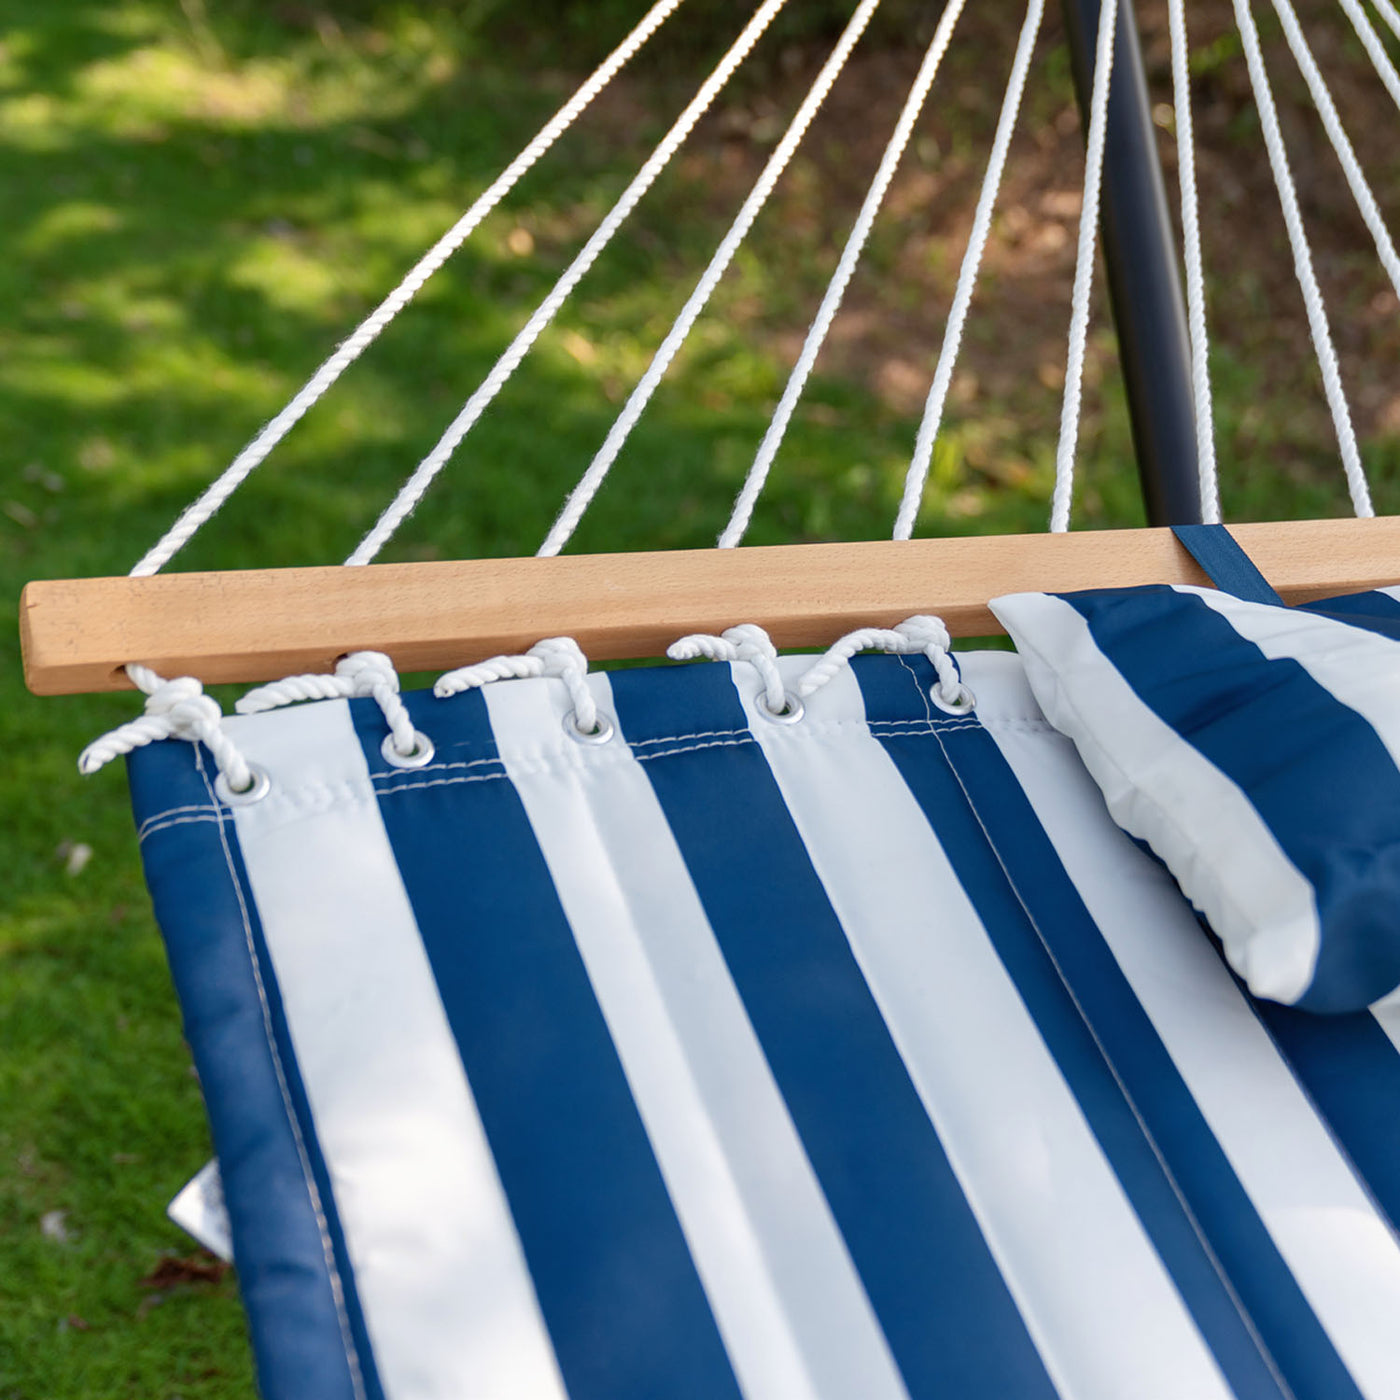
x=358, y=674
x=749, y=642
x=175, y=709
x=559, y=657
x=746, y=642
x=921, y=633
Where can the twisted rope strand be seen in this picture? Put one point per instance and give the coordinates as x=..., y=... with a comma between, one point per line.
x=1302, y=262
x=753, y=485
x=746, y=642
x=175, y=709
x=360, y=673
x=1083, y=272
x=559, y=657
x=1195, y=274
x=1336, y=133
x=1389, y=14
x=582, y=495
x=1366, y=32
x=412, y=491
x=206, y=505
x=967, y=276
x=921, y=633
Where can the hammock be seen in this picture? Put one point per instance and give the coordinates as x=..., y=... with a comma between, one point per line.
x=794, y=1026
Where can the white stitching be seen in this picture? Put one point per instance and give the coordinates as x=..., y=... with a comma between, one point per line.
x=431, y=768
x=172, y=811
x=337, y=1287
x=441, y=782
x=181, y=821
x=311, y=797
x=1187, y=1210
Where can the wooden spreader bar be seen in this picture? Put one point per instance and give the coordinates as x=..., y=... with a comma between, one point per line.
x=258, y=625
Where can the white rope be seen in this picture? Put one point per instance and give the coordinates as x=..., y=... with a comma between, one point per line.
x=360, y=673
x=831, y=302
x=1302, y=262
x=916, y=634
x=1083, y=272
x=967, y=277
x=1336, y=133
x=1366, y=32
x=746, y=642
x=365, y=334
x=412, y=492
x=582, y=495
x=560, y=657
x=175, y=709
x=1207, y=474
x=1389, y=14
x=749, y=642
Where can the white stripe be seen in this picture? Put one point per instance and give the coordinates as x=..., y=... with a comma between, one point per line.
x=1257, y=900
x=1341, y=1252
x=441, y=1278
x=1099, y=1305
x=1358, y=667
x=1388, y=1014
x=785, y=1295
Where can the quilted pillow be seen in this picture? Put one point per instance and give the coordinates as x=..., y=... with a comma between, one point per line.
x=1254, y=747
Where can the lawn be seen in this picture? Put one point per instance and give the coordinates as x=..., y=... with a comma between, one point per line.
x=201, y=199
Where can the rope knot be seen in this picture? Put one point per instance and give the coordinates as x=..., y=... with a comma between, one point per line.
x=191, y=717
x=184, y=709
x=925, y=632
x=558, y=657
x=746, y=642
x=368, y=673
x=168, y=694
x=175, y=709
x=358, y=674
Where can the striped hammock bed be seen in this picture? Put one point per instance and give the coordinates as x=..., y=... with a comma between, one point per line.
x=834, y=1027
x=855, y=1054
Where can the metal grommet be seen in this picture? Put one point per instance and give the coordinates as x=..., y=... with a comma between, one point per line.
x=792, y=711
x=603, y=729
x=963, y=705
x=259, y=785
x=421, y=752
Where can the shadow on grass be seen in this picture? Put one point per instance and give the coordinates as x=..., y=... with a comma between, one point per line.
x=201, y=199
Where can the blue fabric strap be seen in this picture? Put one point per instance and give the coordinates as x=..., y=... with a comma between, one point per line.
x=1227, y=566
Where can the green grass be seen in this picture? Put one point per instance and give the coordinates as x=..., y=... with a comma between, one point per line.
x=198, y=200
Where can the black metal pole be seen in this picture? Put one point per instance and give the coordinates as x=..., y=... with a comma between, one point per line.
x=1144, y=285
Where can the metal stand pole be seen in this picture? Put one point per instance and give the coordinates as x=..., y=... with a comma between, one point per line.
x=1144, y=284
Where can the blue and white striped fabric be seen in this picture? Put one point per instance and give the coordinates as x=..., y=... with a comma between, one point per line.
x=1256, y=749
x=861, y=1058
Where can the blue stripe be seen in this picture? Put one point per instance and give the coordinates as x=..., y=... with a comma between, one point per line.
x=1373, y=610
x=1316, y=772
x=1190, y=1202
x=616, y=1285
x=951, y=1324
x=1226, y=564
x=1351, y=1071
x=200, y=889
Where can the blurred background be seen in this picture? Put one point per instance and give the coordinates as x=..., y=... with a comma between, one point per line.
x=200, y=199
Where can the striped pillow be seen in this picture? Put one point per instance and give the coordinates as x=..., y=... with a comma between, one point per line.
x=1254, y=748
